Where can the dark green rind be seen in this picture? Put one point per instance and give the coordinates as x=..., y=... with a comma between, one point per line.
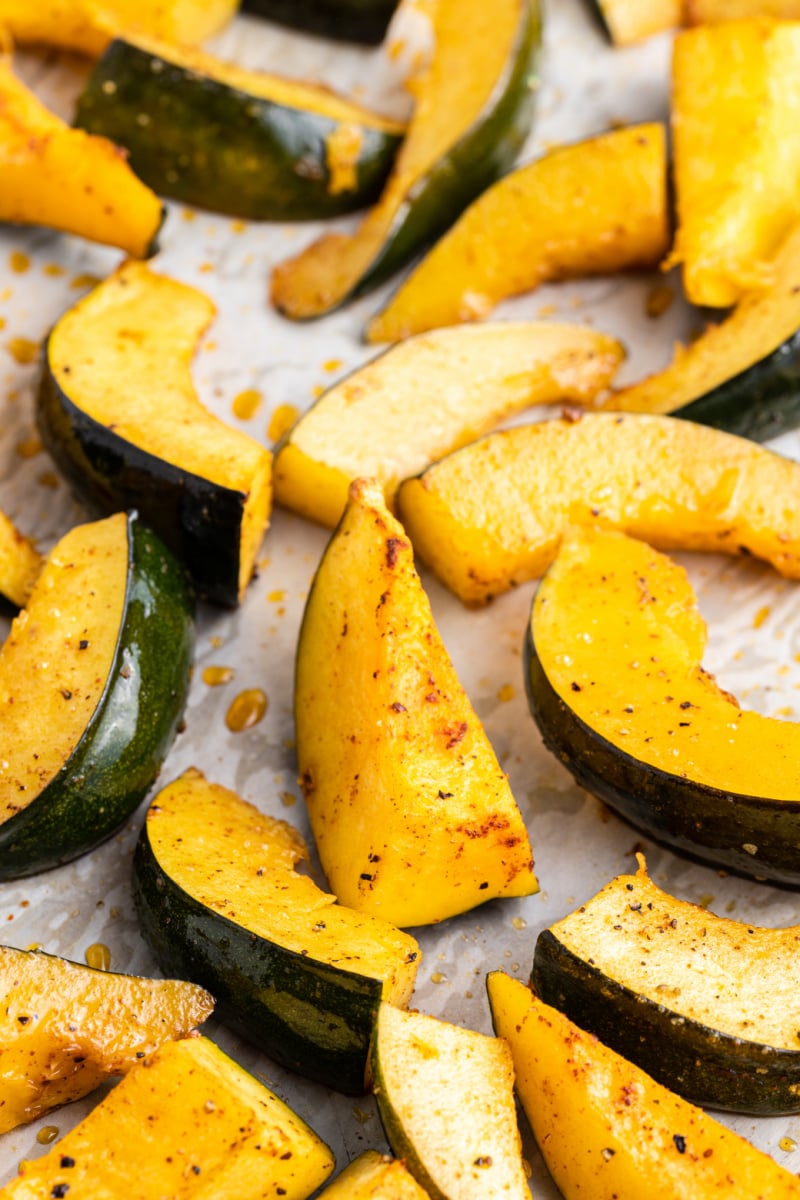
x=308, y=1016
x=345, y=20
x=207, y=144
x=701, y=1064
x=127, y=739
x=705, y=822
x=199, y=521
x=759, y=403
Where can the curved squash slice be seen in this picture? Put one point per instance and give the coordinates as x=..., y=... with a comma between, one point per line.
x=220, y=901
x=66, y=179
x=423, y=399
x=492, y=515
x=64, y=1028
x=262, y=147
x=473, y=112
x=607, y=1130
x=190, y=1122
x=412, y=815
x=594, y=208
x=374, y=1176
x=616, y=687
x=705, y=1005
x=350, y=20
x=20, y=563
x=91, y=691
x=118, y=411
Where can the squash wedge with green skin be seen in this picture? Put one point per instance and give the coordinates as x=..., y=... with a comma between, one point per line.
x=706, y=1005
x=67, y=179
x=240, y=142
x=189, y=1122
x=418, y=401
x=91, y=691
x=473, y=112
x=616, y=686
x=20, y=563
x=119, y=413
x=65, y=1028
x=629, y=21
x=446, y=1100
x=220, y=901
x=374, y=1176
x=491, y=516
x=412, y=815
x=609, y=1131
x=346, y=20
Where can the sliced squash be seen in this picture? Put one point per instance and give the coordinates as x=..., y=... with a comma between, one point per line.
x=350, y=20
x=374, y=1176
x=263, y=147
x=20, y=563
x=189, y=1122
x=607, y=1130
x=412, y=815
x=220, y=901
x=446, y=1099
x=66, y=179
x=65, y=1028
x=630, y=21
x=92, y=688
x=615, y=683
x=593, y=208
x=707, y=12
x=492, y=515
x=474, y=107
x=736, y=145
x=423, y=399
x=119, y=413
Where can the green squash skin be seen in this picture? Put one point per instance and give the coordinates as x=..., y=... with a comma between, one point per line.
x=120, y=754
x=702, y=1065
x=363, y=21
x=311, y=1017
x=210, y=145
x=702, y=821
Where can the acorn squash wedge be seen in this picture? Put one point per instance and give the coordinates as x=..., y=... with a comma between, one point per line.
x=474, y=108
x=67, y=179
x=374, y=1176
x=240, y=142
x=609, y=1131
x=91, y=691
x=424, y=398
x=446, y=1100
x=628, y=21
x=220, y=901
x=118, y=411
x=616, y=686
x=188, y=1122
x=20, y=563
x=65, y=1028
x=412, y=815
x=706, y=1005
x=594, y=208
x=346, y=20
x=491, y=515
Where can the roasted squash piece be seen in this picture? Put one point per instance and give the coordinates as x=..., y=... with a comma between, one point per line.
x=491, y=515
x=424, y=398
x=220, y=901
x=374, y=1176
x=708, y=12
x=66, y=179
x=118, y=411
x=262, y=147
x=737, y=154
x=20, y=563
x=65, y=1028
x=594, y=208
x=412, y=815
x=633, y=715
x=630, y=21
x=189, y=1122
x=474, y=107
x=446, y=1099
x=91, y=691
x=350, y=20
x=606, y=1129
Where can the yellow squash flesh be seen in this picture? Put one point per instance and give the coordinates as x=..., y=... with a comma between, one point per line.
x=427, y=397
x=69, y=180
x=609, y=1131
x=597, y=207
x=707, y=12
x=65, y=1028
x=412, y=815
x=630, y=21
x=20, y=563
x=374, y=1176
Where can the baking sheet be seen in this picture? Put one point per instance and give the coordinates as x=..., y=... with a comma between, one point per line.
x=754, y=618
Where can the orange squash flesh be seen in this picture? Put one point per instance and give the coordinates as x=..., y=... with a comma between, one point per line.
x=20, y=563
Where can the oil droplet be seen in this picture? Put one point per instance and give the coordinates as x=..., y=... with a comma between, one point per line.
x=360, y=1115
x=34, y=946
x=189, y=215
x=277, y=596
x=658, y=300
x=23, y=350
x=760, y=617
x=317, y=390
x=519, y=922
x=506, y=693
x=281, y=421
x=49, y=479
x=247, y=403
x=54, y=270
x=788, y=1144
x=438, y=977
x=288, y=800
x=2, y=322
x=247, y=710
x=705, y=900
x=84, y=281
x=47, y=1134
x=333, y=364
x=19, y=262
x=216, y=676
x=238, y=226
x=29, y=448
x=98, y=956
